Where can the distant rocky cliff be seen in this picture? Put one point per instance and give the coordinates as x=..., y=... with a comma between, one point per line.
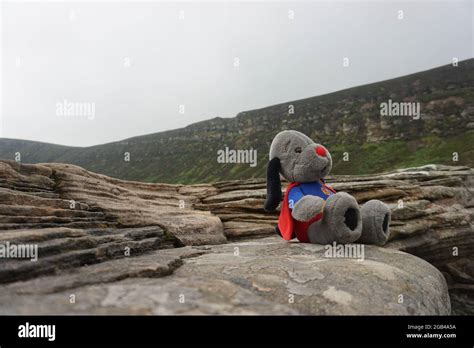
x=348, y=122
x=132, y=247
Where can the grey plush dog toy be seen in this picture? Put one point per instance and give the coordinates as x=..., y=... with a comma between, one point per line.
x=312, y=211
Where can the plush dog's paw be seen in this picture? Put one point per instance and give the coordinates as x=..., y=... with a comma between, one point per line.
x=376, y=217
x=307, y=208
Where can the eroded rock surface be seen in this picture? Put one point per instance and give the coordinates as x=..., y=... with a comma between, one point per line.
x=61, y=195
x=266, y=276
x=92, y=227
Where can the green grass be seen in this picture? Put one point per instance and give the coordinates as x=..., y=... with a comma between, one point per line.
x=390, y=155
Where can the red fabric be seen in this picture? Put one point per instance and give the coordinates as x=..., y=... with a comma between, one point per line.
x=291, y=228
x=285, y=221
x=333, y=190
x=301, y=228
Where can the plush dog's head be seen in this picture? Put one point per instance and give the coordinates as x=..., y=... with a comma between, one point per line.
x=298, y=159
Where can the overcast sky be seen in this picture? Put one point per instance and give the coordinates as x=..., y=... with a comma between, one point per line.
x=135, y=63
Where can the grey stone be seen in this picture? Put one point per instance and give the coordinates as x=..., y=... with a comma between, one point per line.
x=265, y=276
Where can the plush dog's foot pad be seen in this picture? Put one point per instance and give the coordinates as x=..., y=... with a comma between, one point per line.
x=376, y=218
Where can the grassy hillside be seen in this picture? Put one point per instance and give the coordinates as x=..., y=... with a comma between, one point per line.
x=345, y=121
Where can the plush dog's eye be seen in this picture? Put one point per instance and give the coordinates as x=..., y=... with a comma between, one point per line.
x=298, y=149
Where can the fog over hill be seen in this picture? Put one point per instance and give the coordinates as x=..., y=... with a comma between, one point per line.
x=348, y=122
x=154, y=66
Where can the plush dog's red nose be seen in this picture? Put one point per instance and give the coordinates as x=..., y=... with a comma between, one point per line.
x=321, y=151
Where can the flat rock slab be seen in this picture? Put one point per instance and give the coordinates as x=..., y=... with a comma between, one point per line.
x=263, y=276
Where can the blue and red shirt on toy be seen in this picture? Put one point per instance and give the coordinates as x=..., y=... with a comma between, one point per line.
x=315, y=188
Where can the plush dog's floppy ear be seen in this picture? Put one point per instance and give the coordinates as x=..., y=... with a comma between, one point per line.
x=273, y=185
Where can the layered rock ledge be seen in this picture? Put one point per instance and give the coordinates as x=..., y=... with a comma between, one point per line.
x=107, y=240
